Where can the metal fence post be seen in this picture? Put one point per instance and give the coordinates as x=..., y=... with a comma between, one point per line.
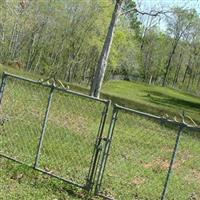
x=106, y=150
x=3, y=84
x=44, y=125
x=97, y=149
x=173, y=158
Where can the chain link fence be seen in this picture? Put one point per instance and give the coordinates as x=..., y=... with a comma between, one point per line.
x=65, y=134
x=185, y=179
x=139, y=162
x=52, y=129
x=70, y=136
x=21, y=114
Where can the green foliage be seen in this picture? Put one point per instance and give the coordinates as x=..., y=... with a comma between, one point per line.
x=67, y=37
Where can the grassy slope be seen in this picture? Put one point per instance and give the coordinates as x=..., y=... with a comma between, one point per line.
x=153, y=99
x=138, y=160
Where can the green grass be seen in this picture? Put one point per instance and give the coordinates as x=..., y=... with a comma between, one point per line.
x=138, y=160
x=140, y=157
x=148, y=98
x=20, y=182
x=20, y=72
x=69, y=140
x=154, y=99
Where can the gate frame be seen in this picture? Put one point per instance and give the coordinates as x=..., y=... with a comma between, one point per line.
x=93, y=167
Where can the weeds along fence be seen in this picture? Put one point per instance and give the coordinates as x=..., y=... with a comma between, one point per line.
x=64, y=134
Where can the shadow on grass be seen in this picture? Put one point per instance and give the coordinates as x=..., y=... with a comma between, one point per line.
x=166, y=100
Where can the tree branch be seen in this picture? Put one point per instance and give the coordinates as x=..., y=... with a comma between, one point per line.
x=152, y=13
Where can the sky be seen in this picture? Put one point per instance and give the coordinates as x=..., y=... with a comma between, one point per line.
x=148, y=5
x=170, y=3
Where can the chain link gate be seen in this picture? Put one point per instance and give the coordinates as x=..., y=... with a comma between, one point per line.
x=54, y=130
x=61, y=133
x=139, y=158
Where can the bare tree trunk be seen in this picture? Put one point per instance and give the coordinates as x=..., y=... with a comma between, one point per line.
x=30, y=51
x=198, y=82
x=186, y=70
x=146, y=66
x=15, y=46
x=38, y=61
x=13, y=42
x=189, y=81
x=102, y=63
x=175, y=80
x=150, y=80
x=184, y=77
x=169, y=62
x=193, y=79
x=84, y=73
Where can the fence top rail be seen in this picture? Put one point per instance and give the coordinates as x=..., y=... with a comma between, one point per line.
x=161, y=119
x=54, y=86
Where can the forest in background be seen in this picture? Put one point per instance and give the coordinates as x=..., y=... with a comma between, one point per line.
x=65, y=38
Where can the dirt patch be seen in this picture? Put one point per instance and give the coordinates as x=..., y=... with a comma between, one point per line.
x=181, y=154
x=193, y=176
x=167, y=149
x=185, y=155
x=193, y=196
x=138, y=181
x=162, y=164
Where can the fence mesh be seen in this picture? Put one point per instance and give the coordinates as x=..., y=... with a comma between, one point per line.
x=50, y=128
x=21, y=116
x=70, y=136
x=139, y=158
x=185, y=179
x=74, y=136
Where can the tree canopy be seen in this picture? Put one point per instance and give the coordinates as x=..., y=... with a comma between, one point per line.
x=66, y=38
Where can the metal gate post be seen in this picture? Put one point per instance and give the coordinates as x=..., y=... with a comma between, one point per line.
x=106, y=150
x=173, y=158
x=97, y=149
x=3, y=84
x=44, y=125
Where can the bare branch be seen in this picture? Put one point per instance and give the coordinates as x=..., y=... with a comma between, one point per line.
x=152, y=13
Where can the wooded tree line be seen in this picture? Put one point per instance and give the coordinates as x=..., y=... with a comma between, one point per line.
x=65, y=38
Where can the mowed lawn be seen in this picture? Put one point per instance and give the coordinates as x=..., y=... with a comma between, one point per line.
x=148, y=98
x=68, y=144
x=139, y=157
x=154, y=99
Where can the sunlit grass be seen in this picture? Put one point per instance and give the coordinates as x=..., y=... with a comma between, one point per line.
x=137, y=164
